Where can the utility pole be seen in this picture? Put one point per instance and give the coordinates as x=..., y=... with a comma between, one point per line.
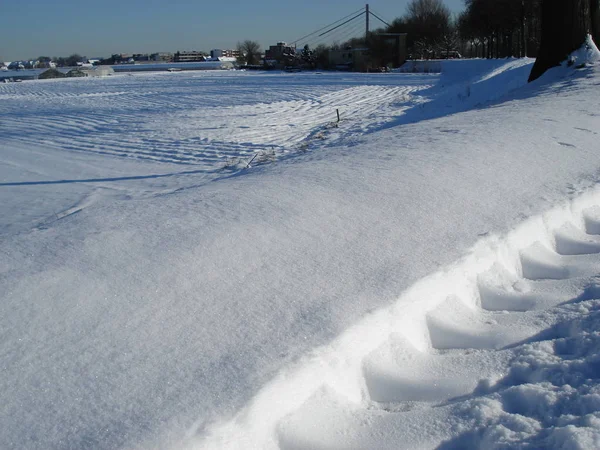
x=367, y=25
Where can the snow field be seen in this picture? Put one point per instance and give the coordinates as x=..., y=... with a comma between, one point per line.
x=453, y=339
x=162, y=128
x=205, y=120
x=281, y=306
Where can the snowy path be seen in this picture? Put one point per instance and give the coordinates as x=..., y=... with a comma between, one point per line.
x=501, y=339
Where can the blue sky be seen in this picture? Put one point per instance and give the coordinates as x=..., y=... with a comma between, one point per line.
x=32, y=28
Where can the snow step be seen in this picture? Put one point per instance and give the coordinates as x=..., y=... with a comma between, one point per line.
x=540, y=263
x=591, y=218
x=570, y=240
x=397, y=372
x=327, y=421
x=500, y=290
x=454, y=325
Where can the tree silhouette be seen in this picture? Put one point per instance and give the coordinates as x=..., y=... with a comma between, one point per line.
x=565, y=25
x=249, y=52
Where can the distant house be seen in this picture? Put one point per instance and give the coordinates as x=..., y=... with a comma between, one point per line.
x=348, y=58
x=51, y=73
x=189, y=56
x=161, y=56
x=143, y=57
x=96, y=71
x=76, y=73
x=16, y=65
x=281, y=52
x=43, y=64
x=218, y=54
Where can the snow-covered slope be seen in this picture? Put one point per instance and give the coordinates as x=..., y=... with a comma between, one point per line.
x=276, y=307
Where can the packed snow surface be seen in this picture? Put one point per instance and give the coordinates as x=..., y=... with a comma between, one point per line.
x=212, y=260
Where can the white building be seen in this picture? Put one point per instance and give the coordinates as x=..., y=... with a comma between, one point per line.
x=98, y=71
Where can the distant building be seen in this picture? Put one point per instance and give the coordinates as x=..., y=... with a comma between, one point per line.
x=189, y=56
x=161, y=56
x=218, y=53
x=16, y=65
x=76, y=73
x=122, y=58
x=99, y=71
x=95, y=71
x=280, y=52
x=44, y=65
x=51, y=73
x=141, y=57
x=352, y=59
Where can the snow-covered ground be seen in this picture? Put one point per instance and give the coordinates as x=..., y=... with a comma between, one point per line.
x=151, y=127
x=421, y=274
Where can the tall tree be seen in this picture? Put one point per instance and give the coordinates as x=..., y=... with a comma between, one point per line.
x=426, y=21
x=595, y=19
x=565, y=25
x=249, y=52
x=501, y=28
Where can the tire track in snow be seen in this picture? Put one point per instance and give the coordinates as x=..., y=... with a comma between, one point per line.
x=147, y=118
x=391, y=380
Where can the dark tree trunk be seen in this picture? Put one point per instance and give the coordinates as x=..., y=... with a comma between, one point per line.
x=497, y=33
x=565, y=24
x=595, y=18
x=523, y=41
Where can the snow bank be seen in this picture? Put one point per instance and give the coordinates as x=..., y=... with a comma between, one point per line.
x=413, y=352
x=587, y=54
x=467, y=84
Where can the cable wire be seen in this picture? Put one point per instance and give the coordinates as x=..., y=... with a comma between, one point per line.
x=362, y=10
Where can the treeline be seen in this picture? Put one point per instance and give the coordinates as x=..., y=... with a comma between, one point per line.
x=485, y=29
x=46, y=61
x=501, y=28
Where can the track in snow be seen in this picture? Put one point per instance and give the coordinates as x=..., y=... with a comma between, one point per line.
x=205, y=120
x=396, y=379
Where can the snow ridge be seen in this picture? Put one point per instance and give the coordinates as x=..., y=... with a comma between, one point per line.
x=454, y=348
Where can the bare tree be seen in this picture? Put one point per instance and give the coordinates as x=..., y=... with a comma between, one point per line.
x=249, y=52
x=427, y=22
x=565, y=25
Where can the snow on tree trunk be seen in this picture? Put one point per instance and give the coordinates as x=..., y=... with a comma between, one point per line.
x=565, y=25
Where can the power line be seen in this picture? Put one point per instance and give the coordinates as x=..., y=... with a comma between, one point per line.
x=356, y=31
x=339, y=35
x=379, y=18
x=350, y=20
x=361, y=10
x=336, y=32
x=341, y=30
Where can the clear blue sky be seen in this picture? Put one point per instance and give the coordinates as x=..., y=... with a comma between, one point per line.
x=32, y=28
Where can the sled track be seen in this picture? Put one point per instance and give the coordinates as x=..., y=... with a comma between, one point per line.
x=444, y=340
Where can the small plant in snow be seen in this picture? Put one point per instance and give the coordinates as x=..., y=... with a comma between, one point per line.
x=266, y=156
x=465, y=93
x=233, y=163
